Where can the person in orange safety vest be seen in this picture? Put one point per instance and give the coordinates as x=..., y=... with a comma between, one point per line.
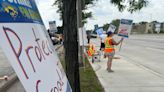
x=91, y=50
x=109, y=50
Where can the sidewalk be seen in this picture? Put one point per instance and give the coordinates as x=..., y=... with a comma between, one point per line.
x=127, y=77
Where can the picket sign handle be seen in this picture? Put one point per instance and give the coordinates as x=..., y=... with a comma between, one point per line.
x=120, y=46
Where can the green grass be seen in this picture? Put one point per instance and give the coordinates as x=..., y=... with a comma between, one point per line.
x=88, y=79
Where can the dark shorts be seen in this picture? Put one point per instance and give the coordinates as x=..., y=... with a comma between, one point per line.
x=102, y=46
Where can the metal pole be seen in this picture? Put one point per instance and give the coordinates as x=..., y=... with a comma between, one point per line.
x=79, y=25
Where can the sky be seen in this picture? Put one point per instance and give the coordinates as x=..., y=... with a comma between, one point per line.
x=104, y=12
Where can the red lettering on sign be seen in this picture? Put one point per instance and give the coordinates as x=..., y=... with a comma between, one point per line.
x=37, y=41
x=43, y=47
x=28, y=56
x=37, y=84
x=17, y=54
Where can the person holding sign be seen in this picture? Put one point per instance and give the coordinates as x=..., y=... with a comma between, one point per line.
x=109, y=49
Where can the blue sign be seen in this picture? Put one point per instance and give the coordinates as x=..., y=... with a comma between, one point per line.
x=96, y=26
x=126, y=21
x=99, y=31
x=24, y=11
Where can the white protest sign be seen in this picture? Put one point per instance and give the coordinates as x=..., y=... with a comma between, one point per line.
x=82, y=36
x=111, y=28
x=26, y=46
x=158, y=27
x=125, y=28
x=52, y=25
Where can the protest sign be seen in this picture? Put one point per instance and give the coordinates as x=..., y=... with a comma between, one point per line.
x=52, y=27
x=25, y=42
x=157, y=27
x=99, y=31
x=103, y=36
x=82, y=37
x=125, y=28
x=111, y=28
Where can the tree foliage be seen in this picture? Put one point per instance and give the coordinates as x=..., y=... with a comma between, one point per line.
x=116, y=23
x=106, y=26
x=130, y=5
x=85, y=4
x=59, y=4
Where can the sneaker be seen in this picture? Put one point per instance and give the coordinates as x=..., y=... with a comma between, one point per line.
x=109, y=70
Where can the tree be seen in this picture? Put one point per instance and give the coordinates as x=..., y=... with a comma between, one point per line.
x=85, y=14
x=130, y=5
x=67, y=9
x=116, y=23
x=60, y=30
x=71, y=44
x=106, y=26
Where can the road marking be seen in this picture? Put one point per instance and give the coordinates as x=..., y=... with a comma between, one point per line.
x=154, y=49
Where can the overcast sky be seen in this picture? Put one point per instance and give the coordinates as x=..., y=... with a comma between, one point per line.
x=104, y=12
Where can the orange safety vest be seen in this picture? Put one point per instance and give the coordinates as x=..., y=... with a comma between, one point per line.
x=91, y=50
x=109, y=47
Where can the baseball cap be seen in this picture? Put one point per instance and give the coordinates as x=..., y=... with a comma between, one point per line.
x=109, y=33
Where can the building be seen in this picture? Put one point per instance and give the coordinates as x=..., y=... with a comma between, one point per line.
x=149, y=28
x=137, y=29
x=162, y=27
x=142, y=28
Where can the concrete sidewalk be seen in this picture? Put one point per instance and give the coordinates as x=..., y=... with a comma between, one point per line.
x=127, y=77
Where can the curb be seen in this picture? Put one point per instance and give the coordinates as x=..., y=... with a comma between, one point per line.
x=6, y=84
x=58, y=47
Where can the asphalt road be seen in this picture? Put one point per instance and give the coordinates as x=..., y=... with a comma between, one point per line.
x=5, y=67
x=16, y=87
x=146, y=51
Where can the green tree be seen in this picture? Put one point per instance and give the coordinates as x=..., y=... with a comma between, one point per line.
x=116, y=23
x=130, y=5
x=67, y=9
x=106, y=26
x=85, y=14
x=60, y=30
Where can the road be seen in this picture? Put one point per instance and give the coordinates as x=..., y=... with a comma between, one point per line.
x=16, y=87
x=146, y=51
x=5, y=68
x=143, y=50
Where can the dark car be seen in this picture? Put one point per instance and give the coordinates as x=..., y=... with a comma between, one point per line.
x=55, y=40
x=93, y=35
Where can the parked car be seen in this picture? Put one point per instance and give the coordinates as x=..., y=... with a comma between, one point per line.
x=93, y=35
x=55, y=40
